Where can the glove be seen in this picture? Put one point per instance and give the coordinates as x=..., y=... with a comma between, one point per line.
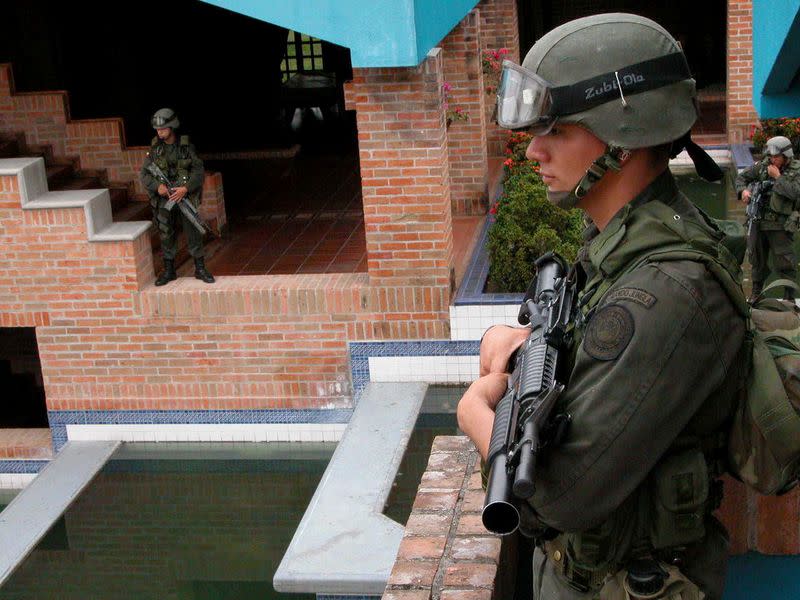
x=792, y=222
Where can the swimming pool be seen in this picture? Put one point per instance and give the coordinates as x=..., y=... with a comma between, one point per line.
x=178, y=521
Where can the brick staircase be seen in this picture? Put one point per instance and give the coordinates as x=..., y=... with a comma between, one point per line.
x=63, y=173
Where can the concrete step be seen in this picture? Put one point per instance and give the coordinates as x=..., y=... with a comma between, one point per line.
x=9, y=148
x=34, y=510
x=58, y=174
x=130, y=210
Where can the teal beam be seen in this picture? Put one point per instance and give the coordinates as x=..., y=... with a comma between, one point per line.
x=379, y=33
x=776, y=58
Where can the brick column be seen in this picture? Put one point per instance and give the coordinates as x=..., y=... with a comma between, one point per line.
x=741, y=114
x=446, y=553
x=499, y=29
x=404, y=172
x=466, y=140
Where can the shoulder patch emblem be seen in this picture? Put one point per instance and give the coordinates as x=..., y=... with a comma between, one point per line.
x=642, y=297
x=609, y=332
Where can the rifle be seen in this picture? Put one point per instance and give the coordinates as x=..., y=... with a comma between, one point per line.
x=188, y=210
x=522, y=423
x=759, y=193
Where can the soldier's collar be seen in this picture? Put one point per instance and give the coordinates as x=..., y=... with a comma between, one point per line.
x=663, y=188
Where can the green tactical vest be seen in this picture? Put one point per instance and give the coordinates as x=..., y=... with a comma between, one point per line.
x=651, y=520
x=779, y=207
x=178, y=172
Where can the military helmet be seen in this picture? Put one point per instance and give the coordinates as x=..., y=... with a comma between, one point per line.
x=165, y=117
x=780, y=145
x=622, y=76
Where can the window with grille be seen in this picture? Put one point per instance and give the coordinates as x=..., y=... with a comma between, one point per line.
x=303, y=54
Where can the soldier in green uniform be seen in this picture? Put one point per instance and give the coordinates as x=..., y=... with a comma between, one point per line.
x=622, y=505
x=781, y=218
x=177, y=158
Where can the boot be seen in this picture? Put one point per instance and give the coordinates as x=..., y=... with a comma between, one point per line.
x=168, y=274
x=757, y=287
x=200, y=270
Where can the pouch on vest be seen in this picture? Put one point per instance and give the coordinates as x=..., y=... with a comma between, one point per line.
x=679, y=491
x=764, y=441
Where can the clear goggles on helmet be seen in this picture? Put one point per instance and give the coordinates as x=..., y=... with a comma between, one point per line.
x=160, y=121
x=526, y=101
x=523, y=100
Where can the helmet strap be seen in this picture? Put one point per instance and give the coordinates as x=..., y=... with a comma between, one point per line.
x=612, y=158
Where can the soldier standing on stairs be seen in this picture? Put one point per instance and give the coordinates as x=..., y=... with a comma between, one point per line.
x=177, y=158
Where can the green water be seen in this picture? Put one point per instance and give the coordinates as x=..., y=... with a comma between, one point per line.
x=711, y=196
x=193, y=522
x=437, y=417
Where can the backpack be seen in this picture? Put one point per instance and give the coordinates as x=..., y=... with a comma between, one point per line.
x=763, y=448
x=764, y=438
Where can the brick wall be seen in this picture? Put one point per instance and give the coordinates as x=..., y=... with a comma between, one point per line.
x=44, y=119
x=499, y=29
x=446, y=553
x=403, y=154
x=108, y=339
x=741, y=114
x=466, y=140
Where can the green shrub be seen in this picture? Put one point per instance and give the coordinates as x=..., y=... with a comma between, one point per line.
x=527, y=225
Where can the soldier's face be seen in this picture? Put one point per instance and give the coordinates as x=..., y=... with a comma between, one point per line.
x=564, y=155
x=778, y=160
x=164, y=134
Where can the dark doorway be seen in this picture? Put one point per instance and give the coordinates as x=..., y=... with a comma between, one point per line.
x=24, y=403
x=700, y=27
x=262, y=104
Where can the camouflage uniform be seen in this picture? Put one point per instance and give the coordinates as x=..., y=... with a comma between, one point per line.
x=180, y=163
x=653, y=375
x=772, y=229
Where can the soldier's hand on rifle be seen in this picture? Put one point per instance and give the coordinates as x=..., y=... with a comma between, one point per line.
x=163, y=190
x=178, y=193
x=746, y=196
x=773, y=171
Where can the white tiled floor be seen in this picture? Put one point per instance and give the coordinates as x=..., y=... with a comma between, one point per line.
x=469, y=322
x=15, y=481
x=430, y=369
x=278, y=432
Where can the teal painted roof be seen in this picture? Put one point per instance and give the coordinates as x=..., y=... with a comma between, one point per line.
x=379, y=33
x=776, y=58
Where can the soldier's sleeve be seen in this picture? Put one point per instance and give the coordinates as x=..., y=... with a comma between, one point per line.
x=149, y=182
x=788, y=185
x=745, y=178
x=665, y=337
x=196, y=172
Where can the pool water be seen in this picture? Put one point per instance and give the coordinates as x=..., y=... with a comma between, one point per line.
x=713, y=197
x=437, y=416
x=189, y=522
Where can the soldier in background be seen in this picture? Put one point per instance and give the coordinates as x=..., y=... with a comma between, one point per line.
x=177, y=158
x=781, y=217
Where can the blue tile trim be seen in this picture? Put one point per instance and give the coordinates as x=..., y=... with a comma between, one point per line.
x=360, y=353
x=471, y=289
x=59, y=419
x=22, y=466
